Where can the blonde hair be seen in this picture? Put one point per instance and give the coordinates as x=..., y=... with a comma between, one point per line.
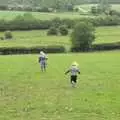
x=75, y=63
x=42, y=53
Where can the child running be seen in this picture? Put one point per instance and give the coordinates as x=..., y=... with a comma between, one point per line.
x=74, y=71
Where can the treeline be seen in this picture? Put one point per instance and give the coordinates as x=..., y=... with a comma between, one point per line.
x=28, y=22
x=48, y=5
x=49, y=2
x=39, y=5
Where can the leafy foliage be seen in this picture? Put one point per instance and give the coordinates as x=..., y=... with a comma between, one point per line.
x=28, y=50
x=8, y=35
x=63, y=30
x=52, y=31
x=83, y=36
x=44, y=5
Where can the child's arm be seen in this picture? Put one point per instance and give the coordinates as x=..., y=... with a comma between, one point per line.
x=39, y=59
x=67, y=71
x=46, y=58
x=78, y=71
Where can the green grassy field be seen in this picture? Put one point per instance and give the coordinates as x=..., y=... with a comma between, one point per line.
x=39, y=38
x=88, y=6
x=116, y=7
x=84, y=8
x=107, y=34
x=9, y=15
x=34, y=38
x=28, y=94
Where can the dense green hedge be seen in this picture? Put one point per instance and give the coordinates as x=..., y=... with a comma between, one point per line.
x=106, y=46
x=31, y=50
x=56, y=49
x=100, y=47
x=28, y=22
x=24, y=24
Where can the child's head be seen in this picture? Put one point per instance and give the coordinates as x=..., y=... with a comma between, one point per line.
x=42, y=53
x=75, y=64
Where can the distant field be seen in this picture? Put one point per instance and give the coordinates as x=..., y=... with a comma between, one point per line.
x=84, y=8
x=8, y=15
x=107, y=34
x=87, y=7
x=39, y=38
x=34, y=38
x=28, y=94
x=116, y=7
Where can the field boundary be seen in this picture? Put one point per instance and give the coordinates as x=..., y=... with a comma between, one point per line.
x=31, y=50
x=57, y=49
x=100, y=47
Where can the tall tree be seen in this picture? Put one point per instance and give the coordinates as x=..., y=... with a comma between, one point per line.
x=83, y=36
x=104, y=5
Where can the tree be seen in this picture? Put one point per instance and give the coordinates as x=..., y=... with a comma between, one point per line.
x=103, y=6
x=83, y=36
x=94, y=10
x=63, y=30
x=52, y=31
x=8, y=35
x=58, y=4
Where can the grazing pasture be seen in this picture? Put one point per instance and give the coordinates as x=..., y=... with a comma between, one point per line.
x=87, y=7
x=40, y=38
x=9, y=15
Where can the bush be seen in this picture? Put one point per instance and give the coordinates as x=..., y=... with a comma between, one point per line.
x=3, y=7
x=29, y=22
x=43, y=9
x=63, y=30
x=69, y=23
x=106, y=46
x=94, y=10
x=44, y=24
x=1, y=38
x=109, y=21
x=114, y=12
x=8, y=35
x=83, y=36
x=56, y=22
x=28, y=9
x=70, y=7
x=52, y=31
x=100, y=47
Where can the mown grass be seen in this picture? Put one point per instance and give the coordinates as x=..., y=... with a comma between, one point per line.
x=28, y=94
x=40, y=38
x=107, y=34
